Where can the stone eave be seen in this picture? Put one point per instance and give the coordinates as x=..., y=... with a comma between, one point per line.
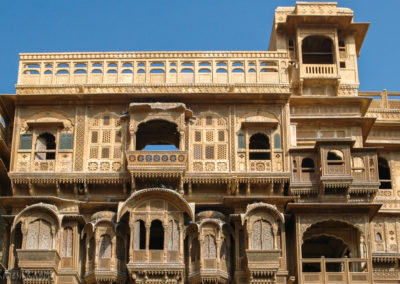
x=53, y=178
x=316, y=208
x=364, y=102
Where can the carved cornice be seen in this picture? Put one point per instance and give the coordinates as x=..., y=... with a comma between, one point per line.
x=53, y=178
x=153, y=89
x=150, y=55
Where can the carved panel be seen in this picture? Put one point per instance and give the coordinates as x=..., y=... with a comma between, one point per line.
x=67, y=242
x=209, y=247
x=173, y=236
x=105, y=246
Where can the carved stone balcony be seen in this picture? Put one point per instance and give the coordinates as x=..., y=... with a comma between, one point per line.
x=38, y=259
x=154, y=265
x=335, y=270
x=144, y=162
x=38, y=266
x=262, y=265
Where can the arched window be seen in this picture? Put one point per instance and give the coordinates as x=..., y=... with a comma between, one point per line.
x=259, y=147
x=105, y=247
x=223, y=254
x=139, y=238
x=67, y=242
x=307, y=165
x=17, y=243
x=378, y=237
x=317, y=50
x=384, y=174
x=39, y=235
x=357, y=165
x=209, y=247
x=241, y=243
x=156, y=235
x=335, y=157
x=173, y=236
x=262, y=237
x=45, y=148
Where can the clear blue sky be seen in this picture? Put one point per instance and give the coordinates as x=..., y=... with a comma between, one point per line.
x=146, y=25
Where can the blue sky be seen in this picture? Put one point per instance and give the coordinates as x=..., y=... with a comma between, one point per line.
x=146, y=25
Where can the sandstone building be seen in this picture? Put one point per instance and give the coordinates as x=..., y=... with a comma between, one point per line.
x=203, y=167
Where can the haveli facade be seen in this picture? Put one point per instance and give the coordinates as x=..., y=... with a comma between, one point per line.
x=279, y=169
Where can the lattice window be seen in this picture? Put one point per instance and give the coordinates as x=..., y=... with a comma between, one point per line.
x=221, y=152
x=197, y=152
x=67, y=247
x=211, y=131
x=106, y=136
x=210, y=152
x=209, y=136
x=197, y=136
x=95, y=137
x=94, y=153
x=105, y=143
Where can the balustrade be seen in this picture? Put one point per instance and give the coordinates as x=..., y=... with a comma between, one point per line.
x=335, y=270
x=153, y=68
x=318, y=70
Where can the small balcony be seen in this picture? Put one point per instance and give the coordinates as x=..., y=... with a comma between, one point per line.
x=263, y=262
x=335, y=270
x=151, y=161
x=320, y=71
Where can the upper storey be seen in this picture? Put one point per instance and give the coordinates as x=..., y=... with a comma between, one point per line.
x=323, y=44
x=144, y=72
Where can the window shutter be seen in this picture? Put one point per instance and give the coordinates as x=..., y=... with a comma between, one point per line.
x=66, y=141
x=25, y=142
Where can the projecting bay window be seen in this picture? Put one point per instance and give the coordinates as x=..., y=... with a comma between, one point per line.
x=259, y=151
x=45, y=149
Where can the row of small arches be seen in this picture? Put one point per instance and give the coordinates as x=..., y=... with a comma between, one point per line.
x=155, y=64
x=152, y=71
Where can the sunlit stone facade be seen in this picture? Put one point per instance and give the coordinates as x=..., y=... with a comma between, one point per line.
x=203, y=167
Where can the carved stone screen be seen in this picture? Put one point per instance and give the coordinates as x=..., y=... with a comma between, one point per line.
x=262, y=238
x=173, y=236
x=209, y=247
x=105, y=246
x=67, y=242
x=39, y=235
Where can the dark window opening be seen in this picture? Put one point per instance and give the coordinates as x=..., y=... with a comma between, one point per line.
x=384, y=174
x=317, y=50
x=45, y=147
x=342, y=64
x=157, y=135
x=291, y=44
x=326, y=246
x=156, y=235
x=335, y=157
x=307, y=165
x=259, y=147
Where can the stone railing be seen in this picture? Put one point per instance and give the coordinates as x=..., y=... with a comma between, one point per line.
x=318, y=71
x=254, y=67
x=335, y=270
